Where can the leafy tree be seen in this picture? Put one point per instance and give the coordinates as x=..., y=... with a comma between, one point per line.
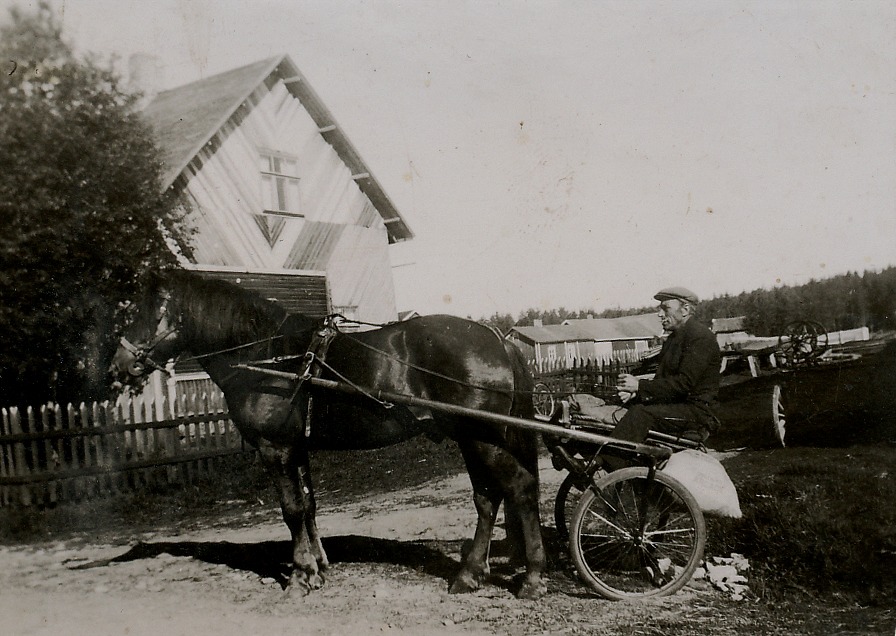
x=82, y=213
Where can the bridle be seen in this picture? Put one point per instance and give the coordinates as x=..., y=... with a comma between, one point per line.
x=142, y=354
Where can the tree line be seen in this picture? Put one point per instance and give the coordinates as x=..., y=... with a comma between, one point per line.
x=846, y=301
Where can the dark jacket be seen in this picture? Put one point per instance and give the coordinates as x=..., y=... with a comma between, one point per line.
x=688, y=369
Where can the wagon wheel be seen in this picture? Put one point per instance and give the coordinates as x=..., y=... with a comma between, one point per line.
x=802, y=342
x=632, y=537
x=543, y=400
x=778, y=418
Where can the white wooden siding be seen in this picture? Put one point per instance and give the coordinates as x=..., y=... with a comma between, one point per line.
x=224, y=186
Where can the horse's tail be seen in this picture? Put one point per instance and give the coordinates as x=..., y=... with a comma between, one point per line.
x=523, y=443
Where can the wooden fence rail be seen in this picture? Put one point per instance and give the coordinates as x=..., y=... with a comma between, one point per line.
x=55, y=453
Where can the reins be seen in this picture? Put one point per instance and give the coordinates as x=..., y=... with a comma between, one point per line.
x=424, y=369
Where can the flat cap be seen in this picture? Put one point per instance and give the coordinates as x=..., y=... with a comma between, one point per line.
x=677, y=293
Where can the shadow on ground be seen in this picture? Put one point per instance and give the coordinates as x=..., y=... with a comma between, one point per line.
x=271, y=559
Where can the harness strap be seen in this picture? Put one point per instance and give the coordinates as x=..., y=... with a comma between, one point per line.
x=359, y=389
x=427, y=371
x=317, y=350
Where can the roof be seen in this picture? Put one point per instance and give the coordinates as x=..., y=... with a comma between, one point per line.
x=188, y=117
x=639, y=327
x=728, y=325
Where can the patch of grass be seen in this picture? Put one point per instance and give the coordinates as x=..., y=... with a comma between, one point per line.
x=822, y=521
x=339, y=475
x=238, y=484
x=147, y=508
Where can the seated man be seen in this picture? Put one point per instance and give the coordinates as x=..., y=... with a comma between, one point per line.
x=682, y=396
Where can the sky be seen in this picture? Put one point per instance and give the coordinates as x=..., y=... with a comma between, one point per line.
x=579, y=153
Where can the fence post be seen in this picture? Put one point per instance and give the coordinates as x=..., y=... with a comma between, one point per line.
x=6, y=465
x=20, y=466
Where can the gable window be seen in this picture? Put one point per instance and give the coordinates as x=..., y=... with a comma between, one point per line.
x=279, y=184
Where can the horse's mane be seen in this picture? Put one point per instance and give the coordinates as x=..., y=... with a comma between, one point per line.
x=220, y=314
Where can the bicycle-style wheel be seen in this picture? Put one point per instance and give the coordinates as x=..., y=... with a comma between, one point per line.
x=633, y=537
x=565, y=504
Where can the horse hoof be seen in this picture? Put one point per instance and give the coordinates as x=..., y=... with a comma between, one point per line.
x=532, y=591
x=301, y=585
x=297, y=591
x=463, y=584
x=315, y=582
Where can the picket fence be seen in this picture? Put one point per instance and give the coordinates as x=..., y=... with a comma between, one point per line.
x=595, y=377
x=61, y=454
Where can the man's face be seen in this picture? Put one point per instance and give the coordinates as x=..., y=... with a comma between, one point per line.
x=673, y=314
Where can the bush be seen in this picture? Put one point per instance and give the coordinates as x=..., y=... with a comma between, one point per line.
x=818, y=520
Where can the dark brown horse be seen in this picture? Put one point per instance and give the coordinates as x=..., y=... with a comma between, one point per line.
x=439, y=358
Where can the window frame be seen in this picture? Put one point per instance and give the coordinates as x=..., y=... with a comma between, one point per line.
x=271, y=181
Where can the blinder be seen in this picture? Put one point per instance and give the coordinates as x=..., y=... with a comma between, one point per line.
x=142, y=359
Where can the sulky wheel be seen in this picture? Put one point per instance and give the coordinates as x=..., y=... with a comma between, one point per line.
x=802, y=342
x=565, y=503
x=543, y=400
x=634, y=537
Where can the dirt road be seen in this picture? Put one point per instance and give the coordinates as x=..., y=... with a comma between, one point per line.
x=392, y=559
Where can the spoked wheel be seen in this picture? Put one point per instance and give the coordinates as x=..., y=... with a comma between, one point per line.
x=543, y=399
x=565, y=504
x=802, y=342
x=778, y=417
x=632, y=537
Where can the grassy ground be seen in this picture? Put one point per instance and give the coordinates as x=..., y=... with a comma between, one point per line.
x=816, y=520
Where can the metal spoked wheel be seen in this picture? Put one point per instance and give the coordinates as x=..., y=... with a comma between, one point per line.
x=543, y=400
x=565, y=504
x=633, y=537
x=802, y=342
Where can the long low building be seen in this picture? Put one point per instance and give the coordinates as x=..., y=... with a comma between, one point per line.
x=627, y=338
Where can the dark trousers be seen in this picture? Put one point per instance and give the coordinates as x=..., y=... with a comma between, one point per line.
x=672, y=419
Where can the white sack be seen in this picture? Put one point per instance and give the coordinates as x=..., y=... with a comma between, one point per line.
x=705, y=477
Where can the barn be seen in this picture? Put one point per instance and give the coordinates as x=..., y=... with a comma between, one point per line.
x=626, y=338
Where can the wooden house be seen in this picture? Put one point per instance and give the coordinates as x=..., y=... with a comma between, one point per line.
x=626, y=338
x=279, y=199
x=276, y=192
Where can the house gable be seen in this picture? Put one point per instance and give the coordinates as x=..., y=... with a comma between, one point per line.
x=273, y=184
x=191, y=119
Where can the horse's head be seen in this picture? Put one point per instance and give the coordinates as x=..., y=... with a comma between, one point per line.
x=150, y=340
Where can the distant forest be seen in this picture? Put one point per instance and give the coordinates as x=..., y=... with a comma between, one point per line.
x=841, y=302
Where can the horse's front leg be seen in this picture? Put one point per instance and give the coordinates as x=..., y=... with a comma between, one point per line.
x=317, y=547
x=283, y=464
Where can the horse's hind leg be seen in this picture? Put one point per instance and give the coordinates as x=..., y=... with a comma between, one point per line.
x=497, y=474
x=283, y=464
x=487, y=497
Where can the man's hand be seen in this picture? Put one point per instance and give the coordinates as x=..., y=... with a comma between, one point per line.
x=627, y=383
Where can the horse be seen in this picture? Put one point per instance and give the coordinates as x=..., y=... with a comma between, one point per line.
x=442, y=358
